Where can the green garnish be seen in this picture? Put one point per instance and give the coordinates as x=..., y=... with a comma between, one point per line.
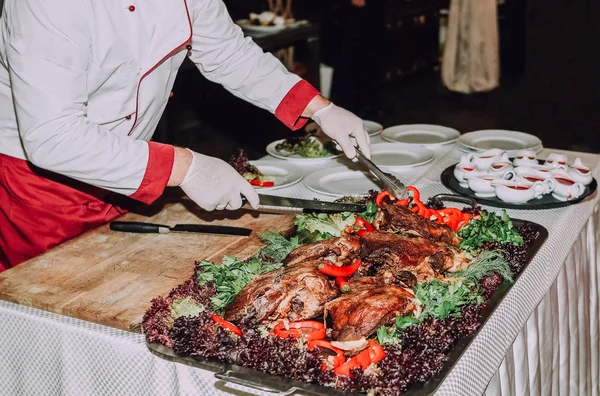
x=307, y=146
x=387, y=337
x=186, y=307
x=370, y=211
x=277, y=247
x=319, y=226
x=231, y=276
x=489, y=228
x=438, y=299
x=443, y=300
x=486, y=263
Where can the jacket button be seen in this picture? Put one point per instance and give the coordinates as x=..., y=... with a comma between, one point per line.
x=188, y=47
x=131, y=8
x=171, y=95
x=128, y=117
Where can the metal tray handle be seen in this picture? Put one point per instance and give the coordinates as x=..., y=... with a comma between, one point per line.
x=254, y=382
x=457, y=198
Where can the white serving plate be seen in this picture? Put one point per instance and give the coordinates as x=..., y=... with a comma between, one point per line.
x=295, y=157
x=341, y=181
x=396, y=155
x=283, y=174
x=511, y=153
x=420, y=134
x=373, y=128
x=510, y=141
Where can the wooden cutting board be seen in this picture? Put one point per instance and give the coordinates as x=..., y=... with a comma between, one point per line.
x=110, y=277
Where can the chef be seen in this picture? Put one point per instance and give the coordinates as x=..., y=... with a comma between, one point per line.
x=83, y=85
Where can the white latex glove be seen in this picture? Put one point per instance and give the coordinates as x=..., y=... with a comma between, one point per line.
x=213, y=184
x=345, y=128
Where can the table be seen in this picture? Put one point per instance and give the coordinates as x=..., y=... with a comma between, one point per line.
x=542, y=339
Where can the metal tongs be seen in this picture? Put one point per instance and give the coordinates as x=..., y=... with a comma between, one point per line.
x=390, y=182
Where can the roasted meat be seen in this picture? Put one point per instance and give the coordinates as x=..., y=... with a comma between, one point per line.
x=406, y=259
x=294, y=292
x=335, y=250
x=368, y=306
x=393, y=217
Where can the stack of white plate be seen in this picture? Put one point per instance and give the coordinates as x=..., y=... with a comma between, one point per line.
x=510, y=141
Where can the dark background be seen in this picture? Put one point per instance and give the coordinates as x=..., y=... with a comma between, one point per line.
x=550, y=53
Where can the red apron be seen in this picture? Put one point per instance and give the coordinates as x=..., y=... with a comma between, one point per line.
x=40, y=209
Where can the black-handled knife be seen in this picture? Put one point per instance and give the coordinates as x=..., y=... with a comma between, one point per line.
x=151, y=228
x=288, y=205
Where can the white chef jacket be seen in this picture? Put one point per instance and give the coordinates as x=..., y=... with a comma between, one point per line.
x=83, y=85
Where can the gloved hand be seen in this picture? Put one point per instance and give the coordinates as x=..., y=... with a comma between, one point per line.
x=345, y=128
x=213, y=184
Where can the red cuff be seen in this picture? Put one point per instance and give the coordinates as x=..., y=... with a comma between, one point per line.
x=293, y=104
x=158, y=171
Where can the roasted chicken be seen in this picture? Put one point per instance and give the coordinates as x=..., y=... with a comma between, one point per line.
x=335, y=250
x=294, y=292
x=368, y=306
x=393, y=217
x=406, y=259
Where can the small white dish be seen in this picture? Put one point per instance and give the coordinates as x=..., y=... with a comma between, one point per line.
x=485, y=160
x=395, y=155
x=565, y=188
x=420, y=134
x=373, y=128
x=283, y=174
x=580, y=173
x=503, y=162
x=482, y=184
x=555, y=160
x=295, y=157
x=544, y=171
x=531, y=175
x=465, y=167
x=525, y=158
x=517, y=191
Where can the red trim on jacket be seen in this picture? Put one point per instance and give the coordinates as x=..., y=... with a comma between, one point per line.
x=158, y=172
x=293, y=104
x=170, y=54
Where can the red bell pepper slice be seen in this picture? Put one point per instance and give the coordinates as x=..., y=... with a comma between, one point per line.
x=261, y=183
x=416, y=193
x=362, y=360
x=343, y=284
x=337, y=360
x=402, y=202
x=381, y=196
x=362, y=233
x=373, y=354
x=376, y=352
x=345, y=368
x=310, y=329
x=333, y=270
x=423, y=211
x=226, y=325
x=362, y=223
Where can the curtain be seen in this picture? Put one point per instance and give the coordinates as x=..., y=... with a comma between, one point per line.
x=471, y=61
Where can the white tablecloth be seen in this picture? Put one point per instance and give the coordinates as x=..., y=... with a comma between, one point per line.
x=543, y=338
